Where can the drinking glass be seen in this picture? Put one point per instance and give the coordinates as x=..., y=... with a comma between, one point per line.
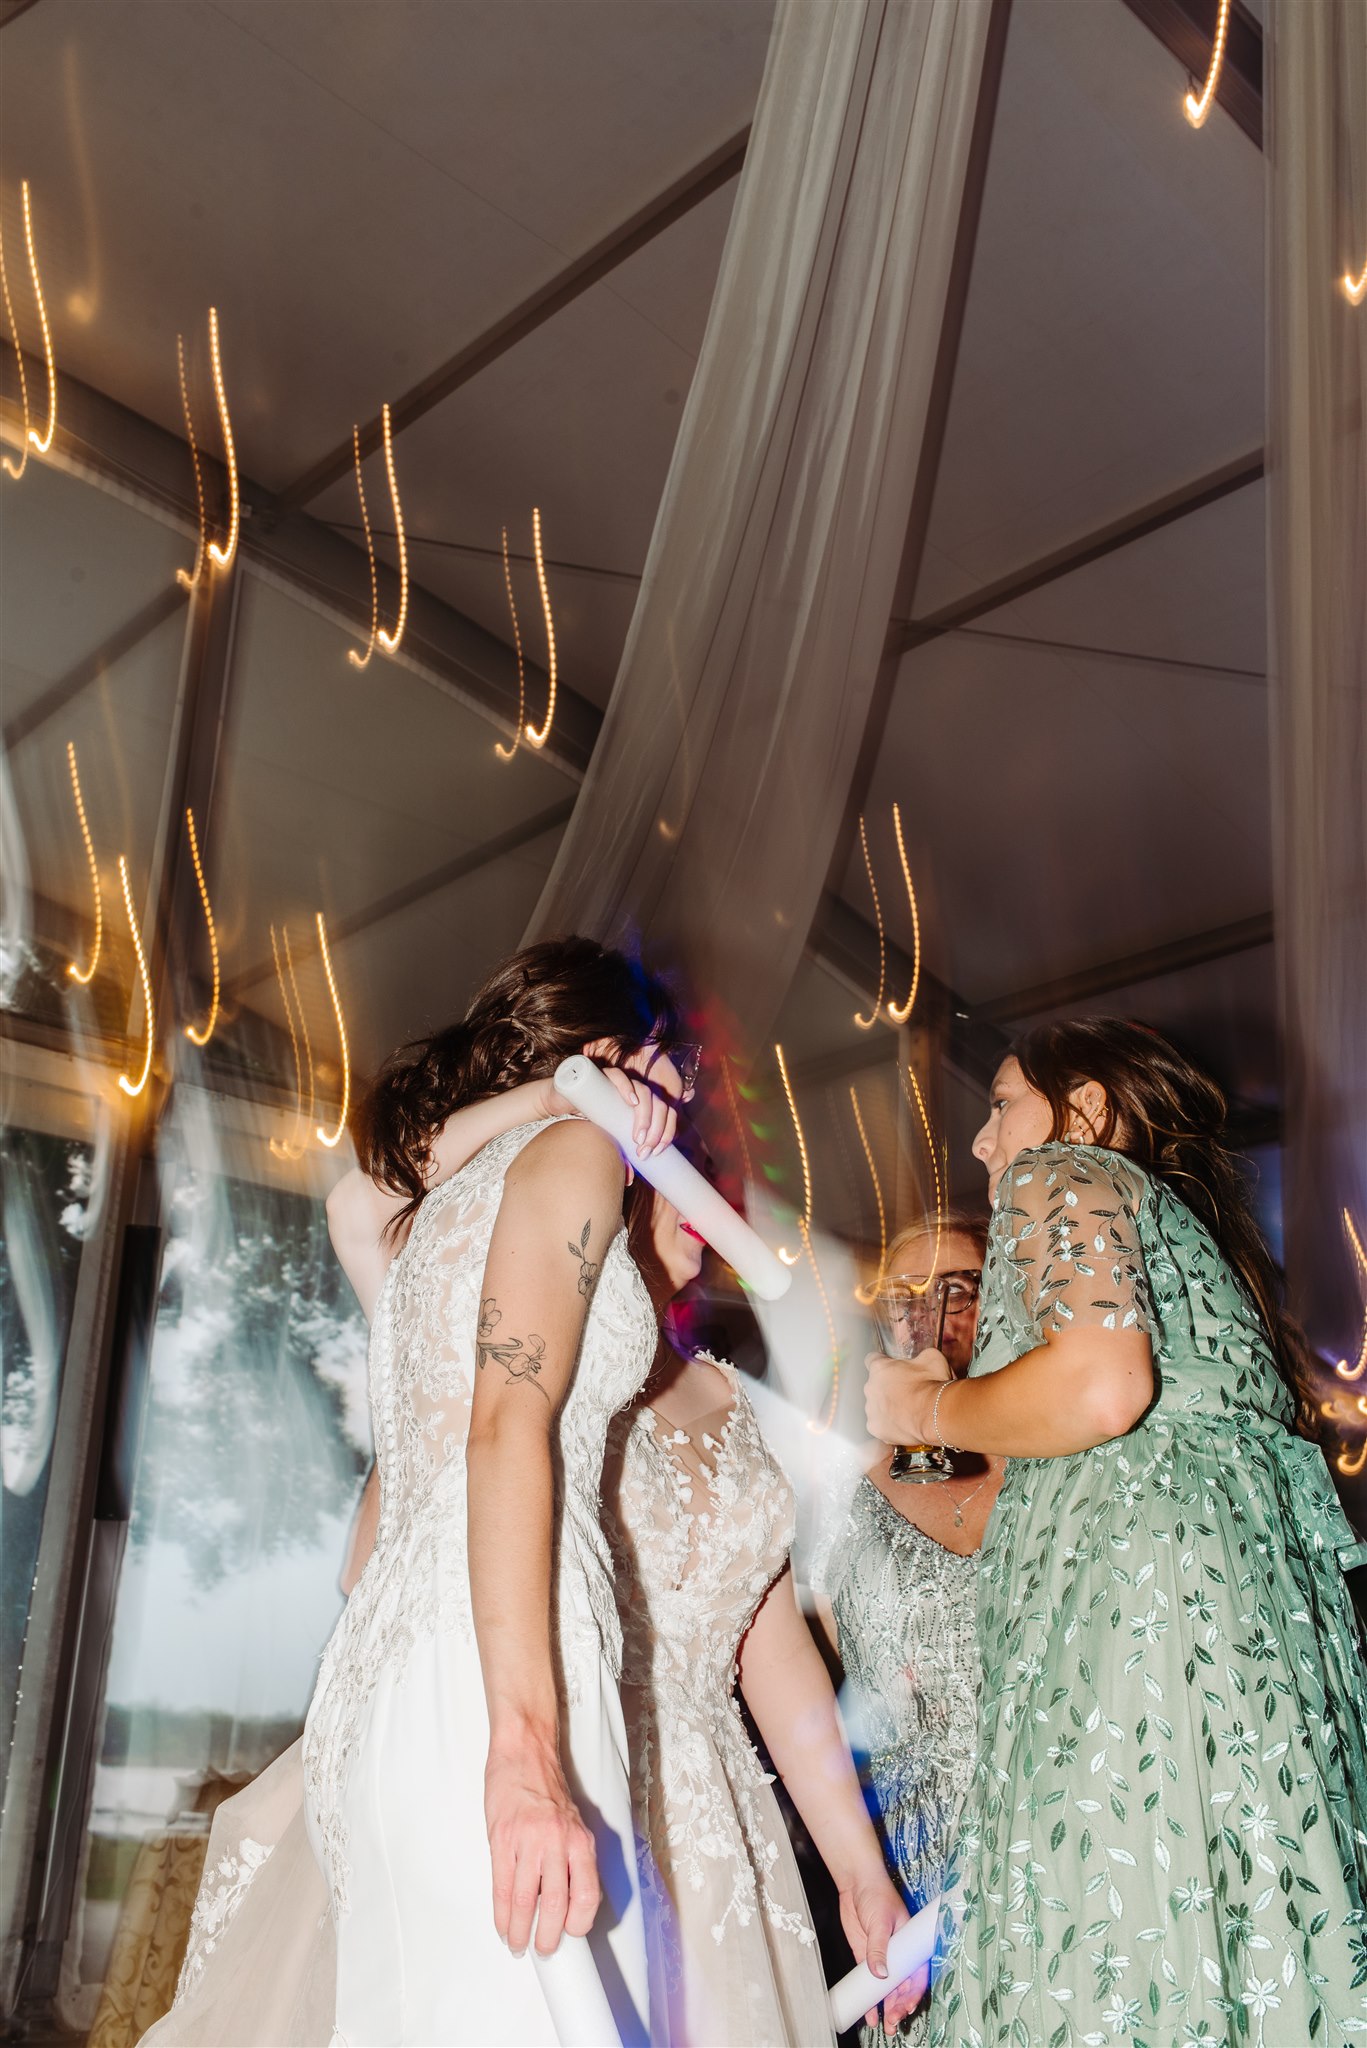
x=911, y=1318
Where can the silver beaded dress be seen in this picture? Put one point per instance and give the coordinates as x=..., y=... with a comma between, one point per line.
x=905, y=1611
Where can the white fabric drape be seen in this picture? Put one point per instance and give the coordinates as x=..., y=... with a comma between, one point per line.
x=1317, y=482
x=718, y=784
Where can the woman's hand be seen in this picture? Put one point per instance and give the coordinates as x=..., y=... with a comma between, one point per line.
x=544, y=1865
x=871, y=1908
x=899, y=1395
x=648, y=1082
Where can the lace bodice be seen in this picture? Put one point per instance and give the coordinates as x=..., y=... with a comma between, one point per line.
x=422, y=1368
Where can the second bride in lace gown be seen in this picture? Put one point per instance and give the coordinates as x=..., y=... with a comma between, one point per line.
x=701, y=1519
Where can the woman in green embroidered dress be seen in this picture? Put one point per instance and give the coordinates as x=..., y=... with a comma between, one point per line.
x=1166, y=1838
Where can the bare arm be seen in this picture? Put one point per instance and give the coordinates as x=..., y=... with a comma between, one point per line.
x=563, y=1191
x=788, y=1690
x=1078, y=1389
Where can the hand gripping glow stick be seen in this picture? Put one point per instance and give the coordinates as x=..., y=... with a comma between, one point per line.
x=910, y=1947
x=696, y=1200
x=574, y=1994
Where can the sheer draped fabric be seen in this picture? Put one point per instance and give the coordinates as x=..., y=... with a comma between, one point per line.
x=719, y=781
x=1316, y=57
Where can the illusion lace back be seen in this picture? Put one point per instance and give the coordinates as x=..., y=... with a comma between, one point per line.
x=703, y=1527
x=397, y=1733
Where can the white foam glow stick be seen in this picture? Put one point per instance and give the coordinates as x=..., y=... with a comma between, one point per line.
x=910, y=1948
x=696, y=1200
x=574, y=1995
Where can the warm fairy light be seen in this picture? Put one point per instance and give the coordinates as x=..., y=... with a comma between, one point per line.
x=188, y=578
x=1343, y=1369
x=224, y=554
x=323, y=1137
x=899, y=1016
x=203, y=1037
x=363, y=660
x=506, y=753
x=539, y=739
x=390, y=641
x=136, y=1087
x=867, y=1023
x=42, y=442
x=10, y=469
x=933, y=1151
x=804, y=1226
x=1196, y=109
x=1354, y=288
x=283, y=1149
x=1350, y=1467
x=866, y=1294
x=801, y=1145
x=86, y=976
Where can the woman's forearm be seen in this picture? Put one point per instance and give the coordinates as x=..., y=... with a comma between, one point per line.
x=1081, y=1388
x=509, y=1508
x=788, y=1691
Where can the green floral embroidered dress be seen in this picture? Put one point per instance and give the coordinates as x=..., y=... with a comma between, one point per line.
x=1166, y=1838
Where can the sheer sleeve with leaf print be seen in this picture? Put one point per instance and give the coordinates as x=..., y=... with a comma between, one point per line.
x=1068, y=1224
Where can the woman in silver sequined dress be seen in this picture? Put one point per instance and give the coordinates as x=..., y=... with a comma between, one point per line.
x=897, y=1593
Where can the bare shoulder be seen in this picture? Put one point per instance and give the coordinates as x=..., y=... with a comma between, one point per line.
x=569, y=1152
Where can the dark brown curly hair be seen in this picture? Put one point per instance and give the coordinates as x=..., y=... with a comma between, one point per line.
x=538, y=1008
x=1169, y=1116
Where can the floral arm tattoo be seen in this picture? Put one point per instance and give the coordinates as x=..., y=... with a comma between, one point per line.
x=520, y=1358
x=589, y=1269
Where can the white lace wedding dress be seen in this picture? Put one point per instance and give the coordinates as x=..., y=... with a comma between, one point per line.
x=702, y=1522
x=396, y=1738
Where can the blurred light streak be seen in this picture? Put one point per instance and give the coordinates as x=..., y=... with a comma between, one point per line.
x=363, y=660
x=900, y=1016
x=506, y=753
x=1343, y=1369
x=223, y=555
x=737, y=1119
x=1354, y=288
x=42, y=442
x=804, y=1225
x=86, y=977
x=865, y=1295
x=303, y=1020
x=539, y=739
x=284, y=1148
x=202, y=1037
x=1350, y=1467
x=136, y=1087
x=323, y=1137
x=10, y=469
x=1196, y=109
x=867, y=1023
x=390, y=641
x=933, y=1150
x=188, y=578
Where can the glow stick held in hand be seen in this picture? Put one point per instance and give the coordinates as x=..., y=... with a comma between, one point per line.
x=697, y=1201
x=909, y=1950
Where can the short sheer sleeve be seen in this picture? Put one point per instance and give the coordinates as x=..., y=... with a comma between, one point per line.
x=1068, y=1228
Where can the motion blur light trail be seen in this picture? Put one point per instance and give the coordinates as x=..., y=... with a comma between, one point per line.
x=506, y=753
x=390, y=641
x=363, y=660
x=1196, y=108
x=804, y=1226
x=223, y=554
x=42, y=442
x=867, y=1023
x=136, y=1087
x=10, y=468
x=900, y=1016
x=1355, y=288
x=866, y=1294
x=195, y=1037
x=86, y=976
x=289, y=1148
x=914, y=1094
x=324, y=1137
x=537, y=737
x=1343, y=1369
x=188, y=578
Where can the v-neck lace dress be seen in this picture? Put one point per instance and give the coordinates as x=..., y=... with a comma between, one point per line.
x=703, y=1526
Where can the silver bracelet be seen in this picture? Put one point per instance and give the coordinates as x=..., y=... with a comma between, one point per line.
x=935, y=1429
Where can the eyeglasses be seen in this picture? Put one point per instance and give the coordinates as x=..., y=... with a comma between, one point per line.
x=961, y=1289
x=687, y=1060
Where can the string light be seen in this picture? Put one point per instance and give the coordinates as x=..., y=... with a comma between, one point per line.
x=1354, y=288
x=506, y=753
x=915, y=1096
x=136, y=1087
x=42, y=442
x=285, y=1149
x=1343, y=1369
x=202, y=1038
x=390, y=641
x=901, y=1016
x=323, y=1137
x=804, y=1226
x=188, y=578
x=223, y=555
x=86, y=976
x=791, y=1258
x=1196, y=109
x=867, y=1023
x=10, y=469
x=363, y=660
x=866, y=1294
x=539, y=739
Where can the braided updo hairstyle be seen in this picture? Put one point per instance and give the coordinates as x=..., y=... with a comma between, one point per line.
x=1168, y=1116
x=538, y=1008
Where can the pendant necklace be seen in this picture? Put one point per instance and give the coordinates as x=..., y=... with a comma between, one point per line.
x=967, y=1500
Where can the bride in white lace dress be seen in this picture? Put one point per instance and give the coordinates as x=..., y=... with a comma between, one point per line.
x=702, y=1527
